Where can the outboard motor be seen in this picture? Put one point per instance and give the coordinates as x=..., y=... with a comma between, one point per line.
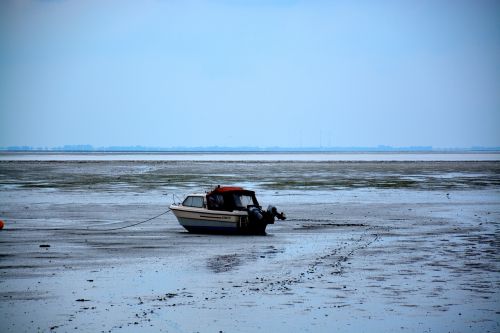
x=258, y=215
x=274, y=213
x=259, y=218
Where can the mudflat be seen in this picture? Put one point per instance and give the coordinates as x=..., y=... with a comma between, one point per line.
x=367, y=246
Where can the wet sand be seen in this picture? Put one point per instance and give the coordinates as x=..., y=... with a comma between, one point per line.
x=368, y=246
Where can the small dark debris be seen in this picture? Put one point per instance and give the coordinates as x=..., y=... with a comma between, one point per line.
x=83, y=300
x=166, y=296
x=44, y=245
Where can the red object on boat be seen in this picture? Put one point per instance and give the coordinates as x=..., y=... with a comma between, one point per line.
x=227, y=189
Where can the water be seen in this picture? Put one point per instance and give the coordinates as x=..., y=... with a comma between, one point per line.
x=250, y=156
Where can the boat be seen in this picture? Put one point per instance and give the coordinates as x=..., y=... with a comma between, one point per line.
x=226, y=209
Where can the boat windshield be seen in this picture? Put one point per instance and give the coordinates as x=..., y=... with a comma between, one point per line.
x=242, y=201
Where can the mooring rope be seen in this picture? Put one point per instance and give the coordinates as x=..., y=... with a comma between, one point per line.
x=95, y=230
x=130, y=225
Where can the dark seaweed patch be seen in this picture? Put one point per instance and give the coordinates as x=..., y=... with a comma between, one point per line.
x=223, y=263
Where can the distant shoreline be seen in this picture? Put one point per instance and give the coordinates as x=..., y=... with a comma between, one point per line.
x=168, y=152
x=251, y=150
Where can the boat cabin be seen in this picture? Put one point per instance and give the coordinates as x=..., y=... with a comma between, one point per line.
x=223, y=198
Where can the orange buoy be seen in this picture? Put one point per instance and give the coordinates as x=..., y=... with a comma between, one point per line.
x=1, y=224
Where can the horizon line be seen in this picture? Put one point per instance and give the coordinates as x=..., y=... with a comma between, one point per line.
x=243, y=149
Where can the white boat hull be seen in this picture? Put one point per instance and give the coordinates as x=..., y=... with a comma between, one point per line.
x=212, y=221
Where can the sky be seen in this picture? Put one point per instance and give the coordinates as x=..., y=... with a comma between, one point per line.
x=232, y=73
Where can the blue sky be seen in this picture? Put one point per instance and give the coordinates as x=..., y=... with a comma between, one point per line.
x=250, y=73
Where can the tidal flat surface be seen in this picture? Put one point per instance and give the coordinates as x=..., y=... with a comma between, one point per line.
x=367, y=246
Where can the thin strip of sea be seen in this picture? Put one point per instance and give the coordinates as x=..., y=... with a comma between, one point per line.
x=250, y=156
